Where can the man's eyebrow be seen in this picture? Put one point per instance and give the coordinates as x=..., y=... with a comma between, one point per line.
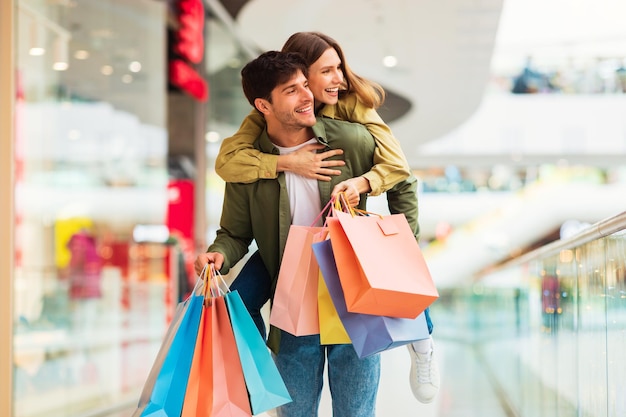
x=289, y=86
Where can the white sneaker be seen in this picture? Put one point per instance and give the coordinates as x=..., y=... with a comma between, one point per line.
x=424, y=375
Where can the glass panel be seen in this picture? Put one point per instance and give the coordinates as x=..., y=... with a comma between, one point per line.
x=91, y=303
x=592, y=328
x=616, y=323
x=547, y=336
x=564, y=310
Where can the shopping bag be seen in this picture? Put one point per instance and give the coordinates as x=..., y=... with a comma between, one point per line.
x=146, y=392
x=370, y=334
x=197, y=403
x=380, y=264
x=332, y=331
x=216, y=387
x=168, y=393
x=266, y=389
x=294, y=307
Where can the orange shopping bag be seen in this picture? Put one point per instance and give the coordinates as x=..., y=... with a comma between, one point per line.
x=216, y=385
x=381, y=266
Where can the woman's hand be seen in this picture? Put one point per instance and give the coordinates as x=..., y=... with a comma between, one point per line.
x=352, y=189
x=308, y=163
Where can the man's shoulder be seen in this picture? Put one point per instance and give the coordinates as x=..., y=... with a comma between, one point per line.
x=342, y=134
x=335, y=126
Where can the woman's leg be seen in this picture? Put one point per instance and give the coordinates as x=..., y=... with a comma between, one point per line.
x=429, y=322
x=424, y=375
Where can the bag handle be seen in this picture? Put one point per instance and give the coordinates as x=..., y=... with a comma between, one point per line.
x=331, y=206
x=199, y=286
x=221, y=286
x=360, y=212
x=214, y=283
x=327, y=208
x=340, y=203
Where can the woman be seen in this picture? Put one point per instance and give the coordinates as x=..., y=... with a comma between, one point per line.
x=339, y=94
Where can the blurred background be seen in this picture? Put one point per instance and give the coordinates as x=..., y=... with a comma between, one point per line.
x=510, y=112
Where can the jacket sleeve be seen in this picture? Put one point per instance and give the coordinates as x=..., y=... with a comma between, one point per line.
x=390, y=164
x=239, y=161
x=402, y=198
x=235, y=233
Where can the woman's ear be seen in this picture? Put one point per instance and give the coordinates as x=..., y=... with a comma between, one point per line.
x=262, y=105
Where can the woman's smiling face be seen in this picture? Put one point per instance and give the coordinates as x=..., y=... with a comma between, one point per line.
x=325, y=78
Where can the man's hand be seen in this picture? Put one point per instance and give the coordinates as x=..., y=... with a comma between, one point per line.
x=310, y=164
x=352, y=188
x=215, y=258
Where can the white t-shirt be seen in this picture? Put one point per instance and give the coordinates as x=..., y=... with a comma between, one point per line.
x=304, y=195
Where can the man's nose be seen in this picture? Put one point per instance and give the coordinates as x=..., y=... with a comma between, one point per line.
x=305, y=93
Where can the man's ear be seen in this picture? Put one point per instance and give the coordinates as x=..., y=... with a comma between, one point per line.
x=262, y=105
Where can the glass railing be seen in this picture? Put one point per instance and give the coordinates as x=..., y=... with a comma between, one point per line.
x=549, y=328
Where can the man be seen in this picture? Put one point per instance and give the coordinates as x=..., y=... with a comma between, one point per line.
x=275, y=84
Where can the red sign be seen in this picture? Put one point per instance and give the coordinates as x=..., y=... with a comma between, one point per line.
x=183, y=76
x=188, y=50
x=189, y=36
x=180, y=195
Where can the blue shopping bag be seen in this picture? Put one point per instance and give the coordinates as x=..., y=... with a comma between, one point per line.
x=170, y=385
x=266, y=388
x=148, y=387
x=370, y=334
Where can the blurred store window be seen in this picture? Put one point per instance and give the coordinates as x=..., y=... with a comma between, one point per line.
x=91, y=302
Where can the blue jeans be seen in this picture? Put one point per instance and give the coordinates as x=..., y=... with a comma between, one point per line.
x=254, y=285
x=353, y=382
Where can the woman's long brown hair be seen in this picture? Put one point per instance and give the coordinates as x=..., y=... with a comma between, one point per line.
x=313, y=44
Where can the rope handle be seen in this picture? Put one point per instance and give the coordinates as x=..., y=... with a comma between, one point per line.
x=341, y=204
x=214, y=283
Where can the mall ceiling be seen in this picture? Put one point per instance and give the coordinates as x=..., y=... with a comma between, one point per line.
x=443, y=50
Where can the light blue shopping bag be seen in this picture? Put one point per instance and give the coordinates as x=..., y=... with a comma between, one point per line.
x=266, y=388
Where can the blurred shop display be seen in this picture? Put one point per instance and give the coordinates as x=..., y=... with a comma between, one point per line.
x=180, y=223
x=91, y=303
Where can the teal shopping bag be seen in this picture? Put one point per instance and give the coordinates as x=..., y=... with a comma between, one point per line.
x=169, y=389
x=370, y=334
x=266, y=388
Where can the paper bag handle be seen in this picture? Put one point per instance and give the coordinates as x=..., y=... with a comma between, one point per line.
x=340, y=203
x=214, y=283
